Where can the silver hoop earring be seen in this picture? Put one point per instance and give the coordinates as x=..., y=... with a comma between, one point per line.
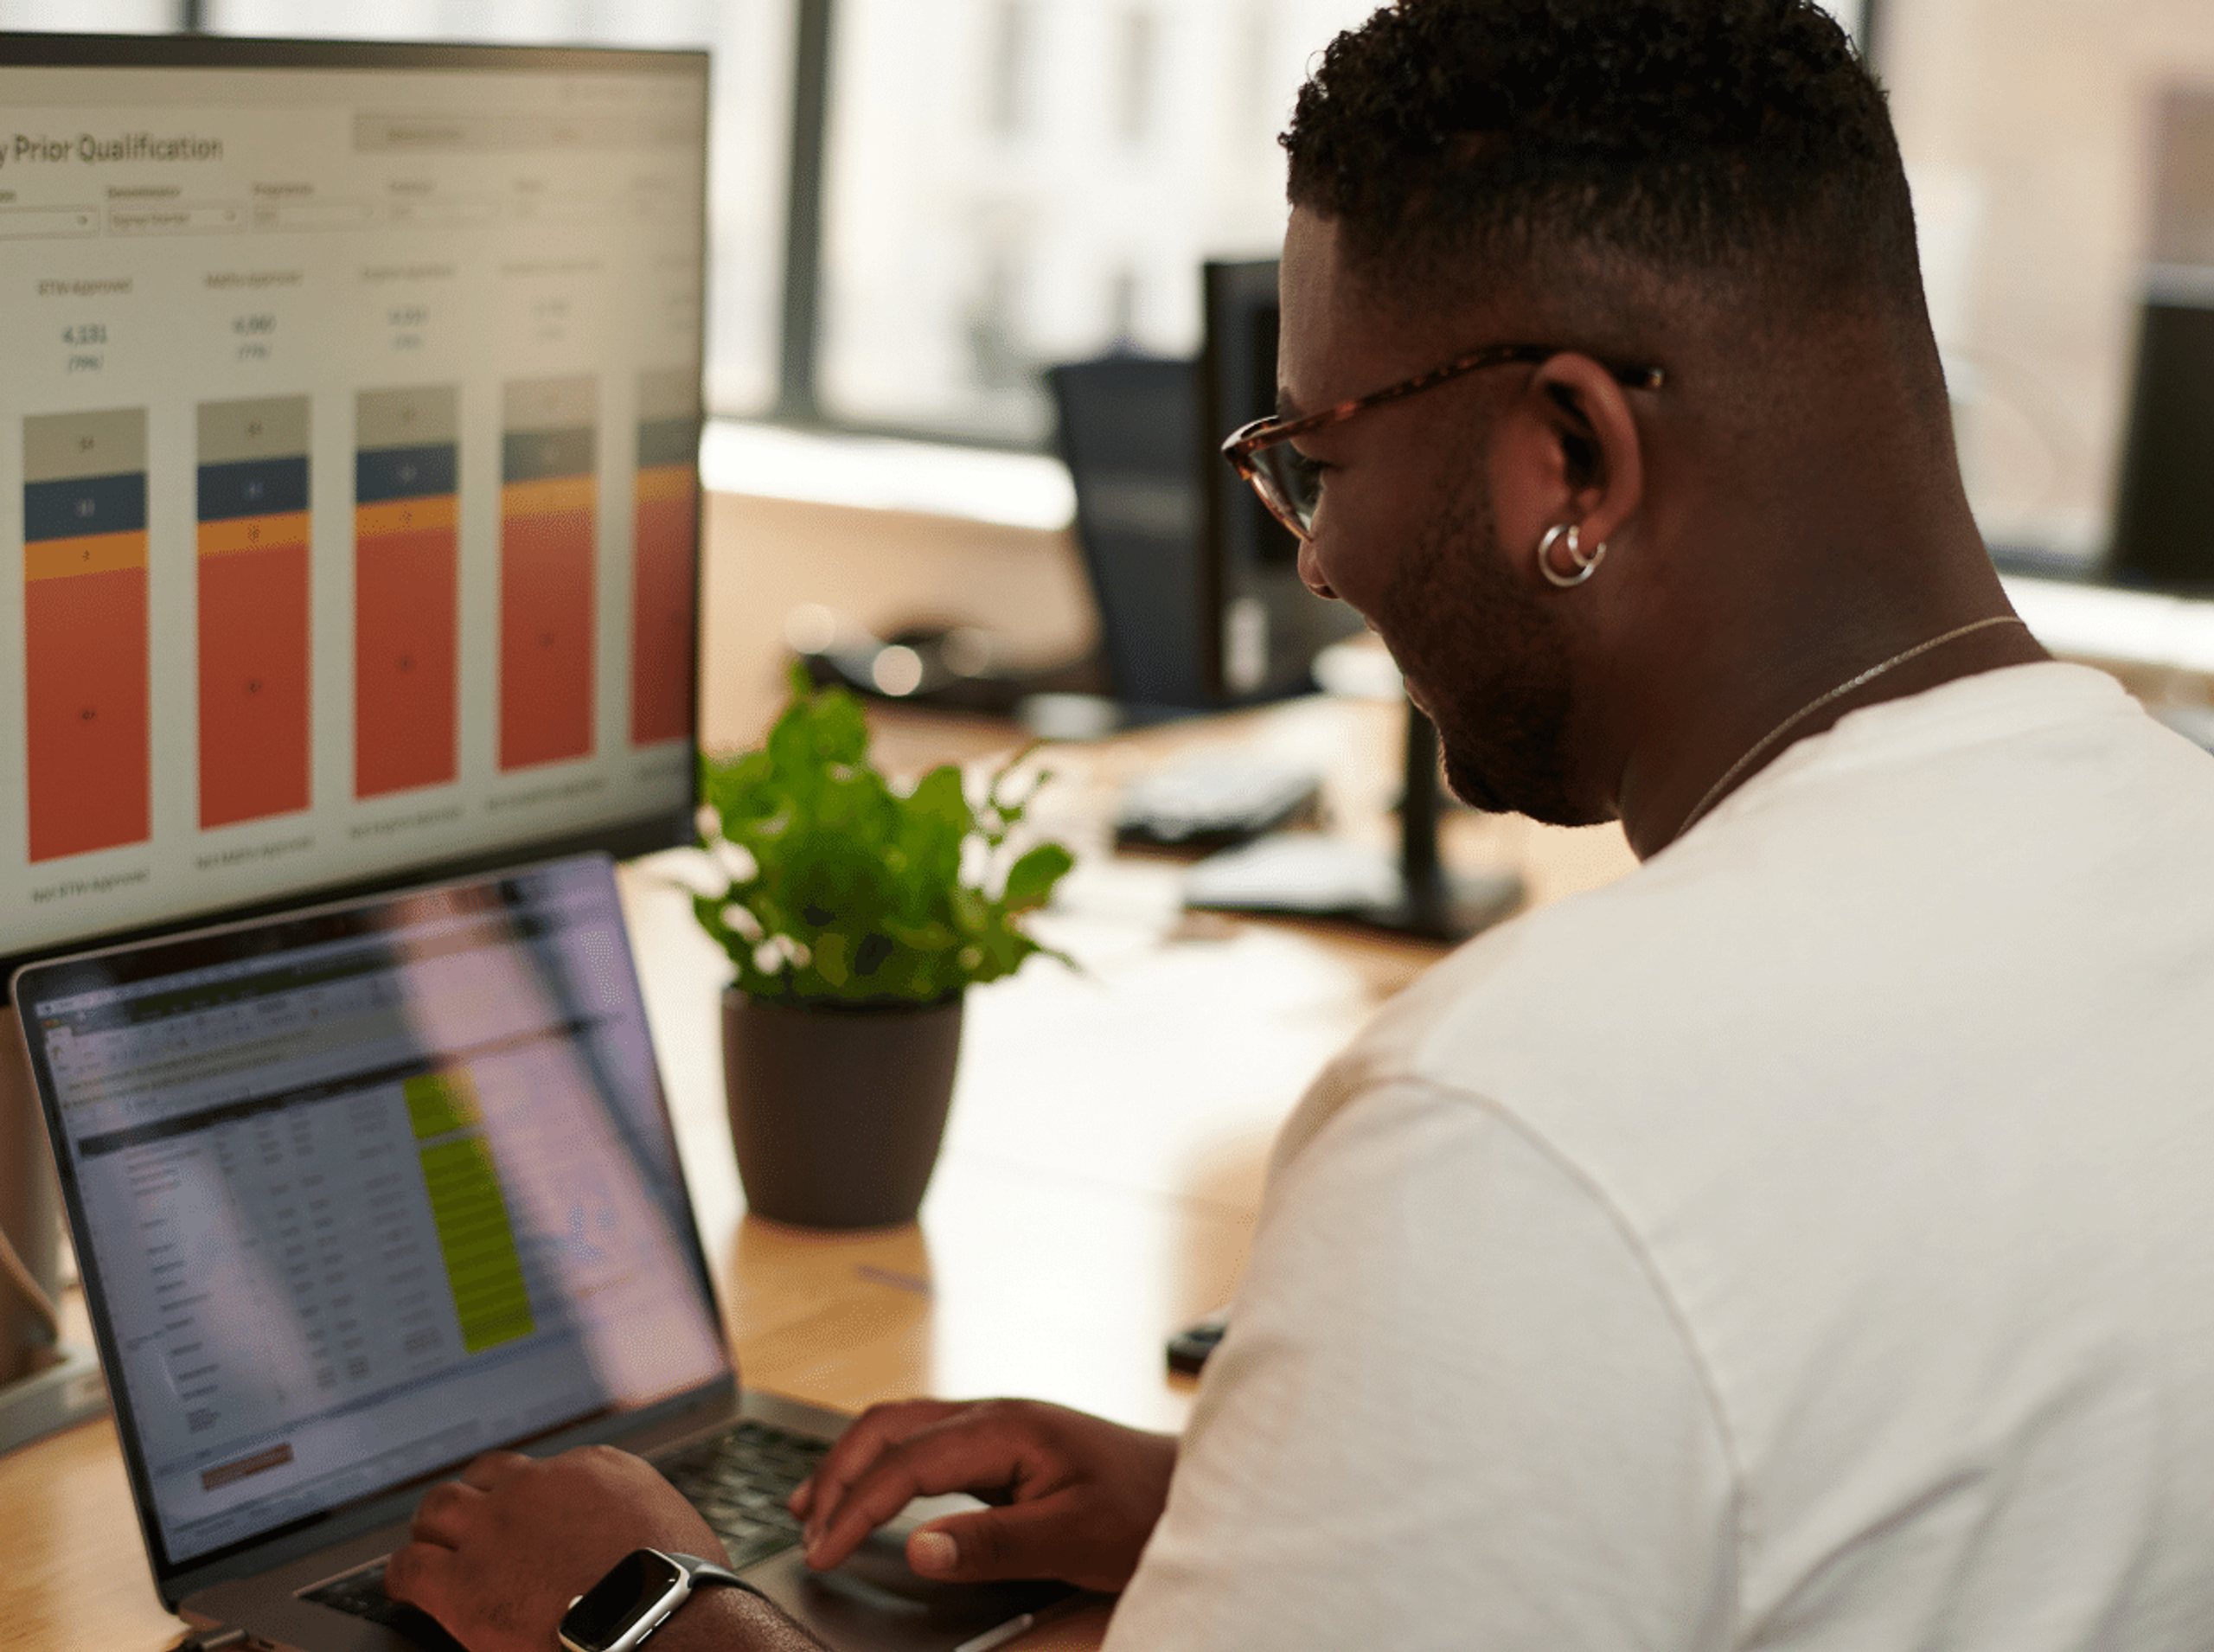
x=1566, y=534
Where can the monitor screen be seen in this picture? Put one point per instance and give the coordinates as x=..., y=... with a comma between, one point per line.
x=347, y=467
x=1128, y=428
x=2164, y=509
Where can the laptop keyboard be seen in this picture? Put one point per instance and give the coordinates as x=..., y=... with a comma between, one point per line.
x=740, y=1479
x=737, y=1480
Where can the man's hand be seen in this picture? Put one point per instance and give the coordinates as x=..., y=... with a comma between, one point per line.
x=1079, y=1496
x=498, y=1554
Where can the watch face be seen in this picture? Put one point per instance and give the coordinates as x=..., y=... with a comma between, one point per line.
x=636, y=1591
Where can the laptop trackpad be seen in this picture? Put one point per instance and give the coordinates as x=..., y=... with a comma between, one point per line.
x=876, y=1600
x=879, y=1565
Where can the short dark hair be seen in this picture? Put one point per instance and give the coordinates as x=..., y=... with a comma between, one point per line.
x=1689, y=138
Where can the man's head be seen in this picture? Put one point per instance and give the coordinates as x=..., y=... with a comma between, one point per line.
x=1709, y=187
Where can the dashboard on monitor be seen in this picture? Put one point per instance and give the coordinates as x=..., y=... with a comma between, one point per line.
x=349, y=486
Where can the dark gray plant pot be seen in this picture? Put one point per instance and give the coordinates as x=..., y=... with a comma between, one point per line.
x=836, y=1114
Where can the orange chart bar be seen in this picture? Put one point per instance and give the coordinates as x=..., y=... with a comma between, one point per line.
x=254, y=689
x=254, y=677
x=85, y=654
x=547, y=534
x=406, y=585
x=88, y=777
x=661, y=612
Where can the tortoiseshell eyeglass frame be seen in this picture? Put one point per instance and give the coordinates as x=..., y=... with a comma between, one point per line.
x=1247, y=446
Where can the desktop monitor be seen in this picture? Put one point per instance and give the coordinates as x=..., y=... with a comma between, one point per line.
x=349, y=482
x=1268, y=625
x=1200, y=600
x=2163, y=507
x=1128, y=429
x=348, y=493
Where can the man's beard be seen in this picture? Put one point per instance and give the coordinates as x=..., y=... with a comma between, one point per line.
x=1486, y=659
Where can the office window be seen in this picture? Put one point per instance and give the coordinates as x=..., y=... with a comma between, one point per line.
x=2056, y=149
x=90, y=16
x=1012, y=183
x=1139, y=33
x=752, y=44
x=1007, y=88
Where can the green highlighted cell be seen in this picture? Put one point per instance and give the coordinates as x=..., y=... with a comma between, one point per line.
x=474, y=1234
x=440, y=1103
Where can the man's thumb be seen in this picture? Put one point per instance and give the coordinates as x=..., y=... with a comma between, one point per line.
x=933, y=1552
x=986, y=1543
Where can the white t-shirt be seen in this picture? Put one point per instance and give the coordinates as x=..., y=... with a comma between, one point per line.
x=1807, y=1242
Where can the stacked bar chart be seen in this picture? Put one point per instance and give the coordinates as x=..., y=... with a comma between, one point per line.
x=548, y=523
x=407, y=519
x=89, y=778
x=664, y=549
x=252, y=560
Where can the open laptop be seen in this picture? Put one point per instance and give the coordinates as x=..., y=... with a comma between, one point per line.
x=360, y=1192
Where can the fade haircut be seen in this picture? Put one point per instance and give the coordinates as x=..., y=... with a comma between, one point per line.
x=1733, y=147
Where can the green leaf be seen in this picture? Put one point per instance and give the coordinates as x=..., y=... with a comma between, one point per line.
x=1030, y=881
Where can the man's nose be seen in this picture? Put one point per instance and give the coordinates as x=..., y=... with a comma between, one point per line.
x=1310, y=572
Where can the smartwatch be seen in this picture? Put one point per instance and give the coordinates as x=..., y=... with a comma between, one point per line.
x=640, y=1592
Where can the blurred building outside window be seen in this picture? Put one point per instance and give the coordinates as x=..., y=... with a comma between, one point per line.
x=90, y=16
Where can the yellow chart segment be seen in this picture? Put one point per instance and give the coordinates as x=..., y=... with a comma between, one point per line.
x=476, y=1236
x=439, y=1103
x=406, y=515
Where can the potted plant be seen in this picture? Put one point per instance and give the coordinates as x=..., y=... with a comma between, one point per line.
x=856, y=913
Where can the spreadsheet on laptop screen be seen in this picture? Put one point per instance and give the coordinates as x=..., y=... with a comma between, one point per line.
x=400, y=1191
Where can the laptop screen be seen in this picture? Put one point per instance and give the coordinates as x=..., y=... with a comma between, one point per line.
x=363, y=1192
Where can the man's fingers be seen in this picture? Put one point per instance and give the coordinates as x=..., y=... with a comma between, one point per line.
x=855, y=1450
x=417, y=1573
x=487, y=1470
x=439, y=1517
x=965, y=1451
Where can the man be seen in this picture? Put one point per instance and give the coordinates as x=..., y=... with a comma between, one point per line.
x=1802, y=1243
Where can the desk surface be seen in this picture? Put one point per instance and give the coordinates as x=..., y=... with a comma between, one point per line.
x=1098, y=1187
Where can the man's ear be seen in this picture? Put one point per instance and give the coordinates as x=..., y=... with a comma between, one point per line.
x=1569, y=454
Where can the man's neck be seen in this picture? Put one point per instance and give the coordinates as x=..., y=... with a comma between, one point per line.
x=1755, y=727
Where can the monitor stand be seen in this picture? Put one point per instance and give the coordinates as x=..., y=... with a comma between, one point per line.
x=52, y=1384
x=1309, y=875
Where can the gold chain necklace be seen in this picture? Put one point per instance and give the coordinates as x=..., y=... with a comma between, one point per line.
x=1815, y=705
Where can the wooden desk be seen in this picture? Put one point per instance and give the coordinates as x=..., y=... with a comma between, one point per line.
x=1098, y=1188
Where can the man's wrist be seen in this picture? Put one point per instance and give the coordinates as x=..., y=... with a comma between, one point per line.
x=719, y=1618
x=641, y=1594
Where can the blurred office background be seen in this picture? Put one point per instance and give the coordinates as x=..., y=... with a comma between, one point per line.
x=1003, y=184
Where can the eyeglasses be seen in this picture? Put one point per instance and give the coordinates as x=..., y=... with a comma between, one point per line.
x=1290, y=483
